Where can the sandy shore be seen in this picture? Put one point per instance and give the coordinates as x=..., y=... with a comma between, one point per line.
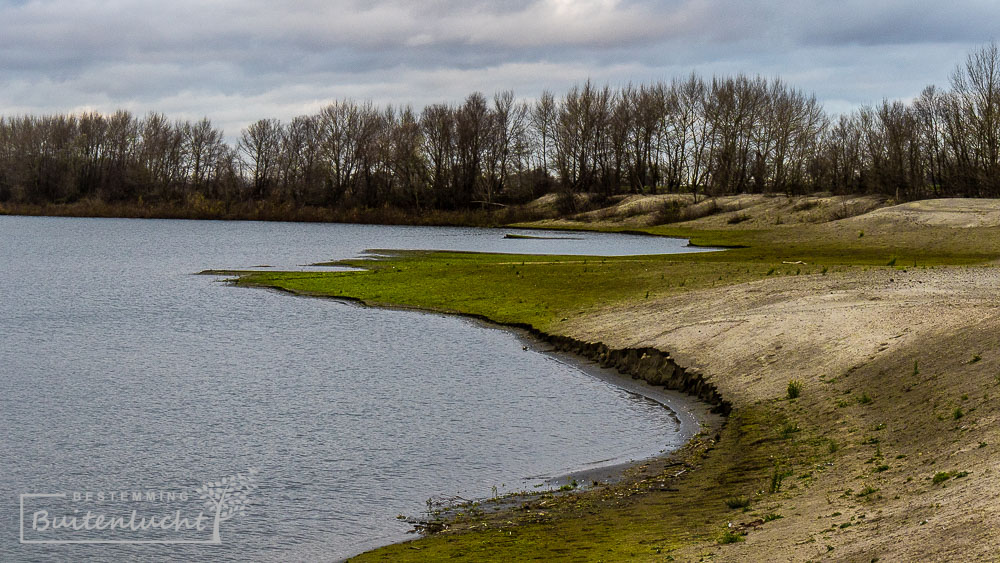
x=920, y=343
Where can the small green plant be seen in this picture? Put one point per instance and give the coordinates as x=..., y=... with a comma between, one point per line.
x=569, y=486
x=940, y=477
x=771, y=271
x=833, y=447
x=975, y=358
x=737, y=502
x=916, y=368
x=892, y=261
x=881, y=468
x=824, y=270
x=770, y=516
x=794, y=389
x=957, y=413
x=776, y=478
x=861, y=234
x=867, y=490
x=730, y=537
x=789, y=428
x=864, y=399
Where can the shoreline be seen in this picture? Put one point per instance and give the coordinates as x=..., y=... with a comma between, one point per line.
x=693, y=415
x=858, y=351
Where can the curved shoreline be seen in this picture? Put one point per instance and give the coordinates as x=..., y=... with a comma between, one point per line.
x=695, y=403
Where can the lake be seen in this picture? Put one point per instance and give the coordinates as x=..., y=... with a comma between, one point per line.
x=121, y=372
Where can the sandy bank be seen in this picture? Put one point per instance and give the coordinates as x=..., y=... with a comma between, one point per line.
x=922, y=345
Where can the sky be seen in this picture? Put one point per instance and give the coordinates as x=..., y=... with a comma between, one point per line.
x=239, y=61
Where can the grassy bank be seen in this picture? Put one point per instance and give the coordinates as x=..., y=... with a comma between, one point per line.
x=874, y=442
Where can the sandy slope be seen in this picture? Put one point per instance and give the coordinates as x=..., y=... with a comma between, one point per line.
x=951, y=212
x=845, y=335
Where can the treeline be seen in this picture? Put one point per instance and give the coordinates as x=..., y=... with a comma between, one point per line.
x=719, y=136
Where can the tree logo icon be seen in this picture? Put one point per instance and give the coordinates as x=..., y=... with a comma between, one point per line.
x=228, y=497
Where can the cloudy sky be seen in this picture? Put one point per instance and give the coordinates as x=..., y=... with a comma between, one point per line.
x=236, y=61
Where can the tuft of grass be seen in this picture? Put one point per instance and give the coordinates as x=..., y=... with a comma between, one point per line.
x=737, y=502
x=789, y=428
x=867, y=490
x=957, y=413
x=730, y=537
x=891, y=262
x=770, y=516
x=940, y=477
x=864, y=399
x=975, y=358
x=776, y=478
x=794, y=389
x=916, y=368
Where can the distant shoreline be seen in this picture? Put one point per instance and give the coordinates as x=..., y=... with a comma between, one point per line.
x=263, y=211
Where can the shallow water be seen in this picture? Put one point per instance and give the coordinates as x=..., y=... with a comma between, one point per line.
x=121, y=371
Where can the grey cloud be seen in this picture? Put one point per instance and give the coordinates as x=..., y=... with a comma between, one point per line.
x=238, y=60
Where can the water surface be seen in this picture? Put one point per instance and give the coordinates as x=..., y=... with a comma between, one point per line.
x=119, y=371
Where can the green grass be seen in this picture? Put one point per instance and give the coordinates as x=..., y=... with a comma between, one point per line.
x=517, y=289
